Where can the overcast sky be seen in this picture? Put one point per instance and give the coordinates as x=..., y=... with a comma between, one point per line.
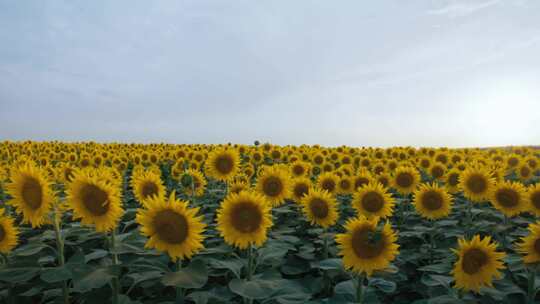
x=378, y=73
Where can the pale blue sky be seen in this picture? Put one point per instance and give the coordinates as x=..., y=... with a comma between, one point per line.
x=379, y=73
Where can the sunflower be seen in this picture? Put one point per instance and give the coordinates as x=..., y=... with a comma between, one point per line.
x=405, y=179
x=171, y=226
x=366, y=247
x=432, y=201
x=197, y=182
x=320, y=208
x=146, y=185
x=530, y=245
x=373, y=199
x=222, y=164
x=345, y=185
x=238, y=186
x=478, y=263
x=328, y=181
x=243, y=219
x=95, y=200
x=8, y=233
x=275, y=184
x=384, y=179
x=31, y=193
x=300, y=169
x=363, y=177
x=533, y=199
x=451, y=180
x=300, y=187
x=509, y=198
x=476, y=184
x=524, y=172
x=437, y=170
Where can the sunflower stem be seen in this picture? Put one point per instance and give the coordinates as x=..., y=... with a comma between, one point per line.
x=325, y=248
x=360, y=289
x=179, y=291
x=61, y=258
x=531, y=292
x=10, y=295
x=249, y=269
x=469, y=219
x=115, y=280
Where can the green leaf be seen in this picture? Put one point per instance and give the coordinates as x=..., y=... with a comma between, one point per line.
x=18, y=275
x=234, y=265
x=329, y=264
x=346, y=287
x=193, y=276
x=436, y=280
x=383, y=285
x=255, y=289
x=29, y=249
x=88, y=278
x=123, y=299
x=55, y=274
x=96, y=254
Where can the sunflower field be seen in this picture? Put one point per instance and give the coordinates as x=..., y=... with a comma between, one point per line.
x=163, y=223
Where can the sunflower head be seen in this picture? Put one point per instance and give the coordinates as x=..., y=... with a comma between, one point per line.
x=328, y=181
x=533, y=199
x=405, y=179
x=274, y=184
x=197, y=182
x=451, y=180
x=95, y=200
x=320, y=208
x=530, y=245
x=478, y=263
x=300, y=187
x=31, y=193
x=222, y=164
x=373, y=200
x=244, y=219
x=432, y=201
x=8, y=233
x=147, y=184
x=238, y=186
x=172, y=227
x=476, y=183
x=509, y=198
x=366, y=246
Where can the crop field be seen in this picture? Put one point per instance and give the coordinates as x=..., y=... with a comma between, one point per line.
x=162, y=223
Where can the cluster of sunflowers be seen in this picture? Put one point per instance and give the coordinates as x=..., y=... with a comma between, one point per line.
x=46, y=184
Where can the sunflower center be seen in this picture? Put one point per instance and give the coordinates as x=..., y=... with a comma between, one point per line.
x=477, y=183
x=536, y=246
x=32, y=193
x=318, y=159
x=224, y=164
x=171, y=227
x=424, y=163
x=473, y=260
x=272, y=186
x=404, y=179
x=2, y=233
x=432, y=200
x=437, y=172
x=372, y=201
x=345, y=184
x=366, y=245
x=453, y=179
x=328, y=185
x=513, y=161
x=535, y=199
x=298, y=170
x=507, y=197
x=524, y=171
x=246, y=217
x=95, y=199
x=300, y=190
x=149, y=189
x=319, y=208
x=360, y=181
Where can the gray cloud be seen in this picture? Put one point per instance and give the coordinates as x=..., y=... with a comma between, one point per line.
x=382, y=73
